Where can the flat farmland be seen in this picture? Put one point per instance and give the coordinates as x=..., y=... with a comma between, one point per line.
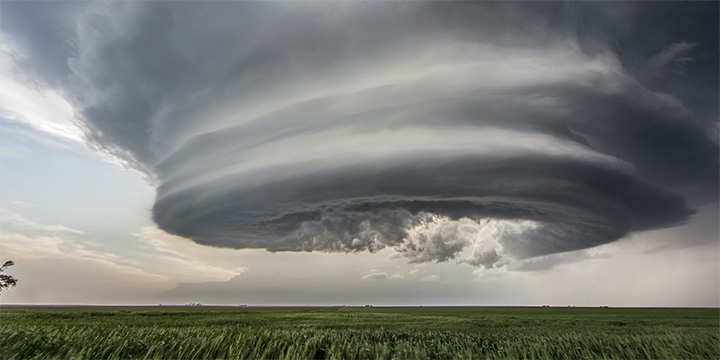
x=207, y=332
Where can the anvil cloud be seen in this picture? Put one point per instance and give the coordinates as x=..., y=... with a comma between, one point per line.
x=508, y=130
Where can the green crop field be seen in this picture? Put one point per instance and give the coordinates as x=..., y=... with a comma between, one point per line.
x=178, y=332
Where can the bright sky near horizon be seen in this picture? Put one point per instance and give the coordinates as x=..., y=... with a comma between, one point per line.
x=279, y=153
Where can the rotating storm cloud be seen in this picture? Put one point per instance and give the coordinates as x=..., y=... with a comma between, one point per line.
x=480, y=133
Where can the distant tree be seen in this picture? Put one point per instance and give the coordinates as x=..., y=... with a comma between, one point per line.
x=6, y=281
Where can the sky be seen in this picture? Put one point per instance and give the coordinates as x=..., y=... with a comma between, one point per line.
x=387, y=153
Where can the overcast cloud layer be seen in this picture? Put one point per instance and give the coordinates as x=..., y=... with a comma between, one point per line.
x=516, y=130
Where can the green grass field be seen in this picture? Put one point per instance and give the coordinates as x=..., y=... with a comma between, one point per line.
x=357, y=333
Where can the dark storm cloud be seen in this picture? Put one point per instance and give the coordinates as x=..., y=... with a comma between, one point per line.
x=517, y=130
x=45, y=30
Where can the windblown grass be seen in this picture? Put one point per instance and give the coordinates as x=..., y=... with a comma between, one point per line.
x=357, y=333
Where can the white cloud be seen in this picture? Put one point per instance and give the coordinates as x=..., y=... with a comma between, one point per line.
x=494, y=275
x=58, y=242
x=46, y=255
x=42, y=109
x=183, y=260
x=18, y=220
x=375, y=276
x=59, y=248
x=430, y=278
x=396, y=277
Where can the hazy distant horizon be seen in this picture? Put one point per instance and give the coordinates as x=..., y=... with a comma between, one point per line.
x=356, y=306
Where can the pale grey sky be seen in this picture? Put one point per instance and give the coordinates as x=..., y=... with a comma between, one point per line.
x=346, y=152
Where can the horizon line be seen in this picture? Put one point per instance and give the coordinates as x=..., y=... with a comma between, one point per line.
x=195, y=305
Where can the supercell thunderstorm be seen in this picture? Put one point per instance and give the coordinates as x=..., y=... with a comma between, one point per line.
x=430, y=128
